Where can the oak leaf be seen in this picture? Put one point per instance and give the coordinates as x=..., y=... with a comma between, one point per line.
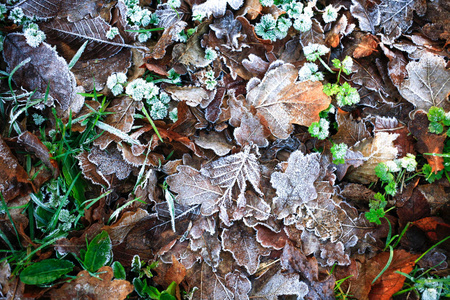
x=295, y=185
x=241, y=241
x=231, y=173
x=281, y=101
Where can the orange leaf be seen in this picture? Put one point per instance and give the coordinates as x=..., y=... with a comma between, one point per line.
x=391, y=282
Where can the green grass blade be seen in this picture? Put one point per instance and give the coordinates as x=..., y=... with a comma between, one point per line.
x=391, y=255
x=77, y=55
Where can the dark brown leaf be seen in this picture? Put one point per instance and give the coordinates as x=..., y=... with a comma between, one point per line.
x=13, y=178
x=45, y=68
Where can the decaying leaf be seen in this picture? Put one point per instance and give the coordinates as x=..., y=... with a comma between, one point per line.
x=88, y=287
x=192, y=95
x=241, y=241
x=45, y=68
x=119, y=230
x=295, y=185
x=379, y=149
x=280, y=101
x=366, y=47
x=428, y=83
x=350, y=131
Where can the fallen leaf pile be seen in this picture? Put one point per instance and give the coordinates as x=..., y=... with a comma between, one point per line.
x=233, y=197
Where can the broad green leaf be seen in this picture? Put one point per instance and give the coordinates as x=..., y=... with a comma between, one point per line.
x=45, y=271
x=98, y=252
x=119, y=270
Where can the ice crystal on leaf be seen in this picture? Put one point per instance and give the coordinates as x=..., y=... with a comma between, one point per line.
x=310, y=71
x=115, y=83
x=33, y=35
x=330, y=14
x=296, y=185
x=314, y=51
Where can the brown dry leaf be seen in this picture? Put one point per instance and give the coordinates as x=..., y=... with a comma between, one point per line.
x=192, y=95
x=251, y=9
x=427, y=142
x=404, y=142
x=46, y=9
x=350, y=131
x=70, y=36
x=396, y=66
x=280, y=101
x=193, y=187
x=333, y=37
x=213, y=284
x=168, y=38
x=215, y=141
x=45, y=68
x=366, y=47
x=241, y=241
x=314, y=35
x=397, y=16
x=119, y=229
x=435, y=228
x=231, y=174
x=269, y=287
x=375, y=150
x=109, y=161
x=391, y=282
x=367, y=13
x=176, y=272
x=428, y=83
x=13, y=177
x=88, y=287
x=89, y=170
x=121, y=117
x=366, y=75
x=295, y=185
x=193, y=56
x=270, y=239
x=209, y=246
x=293, y=260
x=236, y=40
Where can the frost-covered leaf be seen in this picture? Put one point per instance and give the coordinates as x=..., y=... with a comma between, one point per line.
x=350, y=131
x=168, y=15
x=45, y=9
x=428, y=83
x=192, y=95
x=314, y=35
x=295, y=185
x=280, y=284
x=236, y=40
x=215, y=141
x=231, y=174
x=270, y=239
x=119, y=229
x=121, y=117
x=379, y=149
x=210, y=284
x=89, y=170
x=241, y=241
x=73, y=34
x=209, y=247
x=397, y=16
x=100, y=287
x=281, y=101
x=215, y=7
x=367, y=13
x=46, y=68
x=194, y=188
x=110, y=162
x=238, y=284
